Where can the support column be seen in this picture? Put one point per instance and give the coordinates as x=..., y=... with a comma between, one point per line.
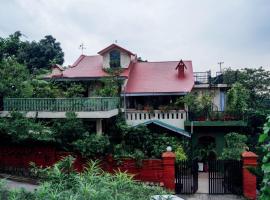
x=249, y=180
x=99, y=126
x=169, y=170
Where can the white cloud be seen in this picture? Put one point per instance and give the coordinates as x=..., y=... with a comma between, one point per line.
x=233, y=31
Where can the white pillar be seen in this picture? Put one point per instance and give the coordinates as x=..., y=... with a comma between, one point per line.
x=99, y=126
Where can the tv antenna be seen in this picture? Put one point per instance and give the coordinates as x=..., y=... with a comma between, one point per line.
x=220, y=68
x=82, y=47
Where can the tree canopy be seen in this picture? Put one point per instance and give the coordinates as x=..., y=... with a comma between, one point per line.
x=35, y=55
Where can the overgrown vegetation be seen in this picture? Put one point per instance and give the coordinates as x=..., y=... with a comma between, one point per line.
x=61, y=182
x=235, y=145
x=264, y=140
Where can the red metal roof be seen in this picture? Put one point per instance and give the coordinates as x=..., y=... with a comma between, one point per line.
x=87, y=67
x=159, y=77
x=143, y=77
x=115, y=46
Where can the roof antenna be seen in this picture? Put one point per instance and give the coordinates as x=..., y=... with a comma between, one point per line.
x=82, y=47
x=220, y=63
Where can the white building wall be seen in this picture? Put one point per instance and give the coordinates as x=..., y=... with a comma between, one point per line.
x=174, y=117
x=124, y=60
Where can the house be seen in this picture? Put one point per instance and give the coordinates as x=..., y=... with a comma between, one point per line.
x=149, y=93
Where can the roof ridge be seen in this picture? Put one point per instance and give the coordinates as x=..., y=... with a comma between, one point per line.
x=165, y=61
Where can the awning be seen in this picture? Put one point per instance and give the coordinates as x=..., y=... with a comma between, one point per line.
x=167, y=126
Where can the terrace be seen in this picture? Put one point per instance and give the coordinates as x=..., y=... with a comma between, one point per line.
x=93, y=107
x=215, y=118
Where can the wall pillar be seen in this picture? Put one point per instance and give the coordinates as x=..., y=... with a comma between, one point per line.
x=99, y=126
x=168, y=159
x=249, y=180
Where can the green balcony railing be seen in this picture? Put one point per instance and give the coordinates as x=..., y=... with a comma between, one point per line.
x=61, y=104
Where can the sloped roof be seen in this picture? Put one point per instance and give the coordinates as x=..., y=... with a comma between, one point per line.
x=115, y=46
x=87, y=67
x=159, y=77
x=167, y=126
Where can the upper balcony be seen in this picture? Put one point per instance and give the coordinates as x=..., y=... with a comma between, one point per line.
x=215, y=118
x=93, y=107
x=207, y=78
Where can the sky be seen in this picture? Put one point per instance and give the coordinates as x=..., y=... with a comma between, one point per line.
x=236, y=32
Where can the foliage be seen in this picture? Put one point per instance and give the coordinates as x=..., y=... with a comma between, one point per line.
x=202, y=152
x=13, y=79
x=255, y=80
x=93, y=145
x=205, y=104
x=264, y=141
x=235, y=146
x=21, y=129
x=151, y=144
x=93, y=184
x=110, y=87
x=74, y=90
x=237, y=102
x=68, y=130
x=34, y=55
x=180, y=154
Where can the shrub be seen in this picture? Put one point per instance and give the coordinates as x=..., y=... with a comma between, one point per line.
x=93, y=184
x=180, y=154
x=264, y=140
x=235, y=146
x=93, y=145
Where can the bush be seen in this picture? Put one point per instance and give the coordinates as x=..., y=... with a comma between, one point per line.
x=93, y=145
x=264, y=140
x=180, y=154
x=235, y=146
x=93, y=184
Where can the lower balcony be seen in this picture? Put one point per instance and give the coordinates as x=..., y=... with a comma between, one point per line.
x=94, y=107
x=174, y=118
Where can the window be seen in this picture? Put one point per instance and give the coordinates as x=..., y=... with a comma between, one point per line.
x=115, y=59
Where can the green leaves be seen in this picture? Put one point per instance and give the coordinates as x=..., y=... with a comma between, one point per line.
x=237, y=100
x=264, y=139
x=93, y=184
x=92, y=145
x=235, y=146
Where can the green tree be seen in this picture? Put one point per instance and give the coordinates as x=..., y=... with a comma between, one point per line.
x=237, y=101
x=35, y=55
x=68, y=130
x=235, y=146
x=11, y=45
x=14, y=79
x=42, y=54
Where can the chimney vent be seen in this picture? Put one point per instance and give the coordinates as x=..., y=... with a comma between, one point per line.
x=181, y=69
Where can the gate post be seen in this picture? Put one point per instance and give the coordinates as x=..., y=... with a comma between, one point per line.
x=168, y=159
x=249, y=180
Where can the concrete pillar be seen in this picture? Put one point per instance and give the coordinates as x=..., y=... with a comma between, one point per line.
x=99, y=126
x=249, y=180
x=169, y=170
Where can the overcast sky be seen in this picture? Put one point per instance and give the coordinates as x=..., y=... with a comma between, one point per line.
x=204, y=31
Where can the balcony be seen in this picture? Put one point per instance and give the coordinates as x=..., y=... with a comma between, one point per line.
x=175, y=118
x=94, y=107
x=215, y=118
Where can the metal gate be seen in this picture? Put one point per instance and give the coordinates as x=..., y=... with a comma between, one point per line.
x=225, y=177
x=186, y=177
